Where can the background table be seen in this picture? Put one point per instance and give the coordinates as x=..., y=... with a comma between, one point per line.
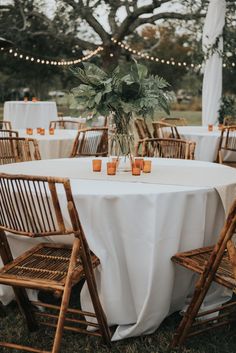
x=58, y=145
x=30, y=114
x=134, y=226
x=207, y=142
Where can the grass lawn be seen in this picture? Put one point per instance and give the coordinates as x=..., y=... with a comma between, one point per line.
x=219, y=341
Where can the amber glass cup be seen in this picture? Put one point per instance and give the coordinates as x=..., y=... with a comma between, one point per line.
x=139, y=163
x=135, y=170
x=42, y=131
x=111, y=168
x=51, y=131
x=210, y=127
x=147, y=166
x=97, y=165
x=38, y=130
x=29, y=131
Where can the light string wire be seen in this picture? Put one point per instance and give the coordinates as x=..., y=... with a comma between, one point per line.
x=18, y=54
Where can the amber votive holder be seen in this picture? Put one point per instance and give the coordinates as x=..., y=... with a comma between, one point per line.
x=34, y=99
x=29, y=131
x=51, y=131
x=136, y=170
x=139, y=163
x=147, y=166
x=220, y=126
x=111, y=168
x=38, y=130
x=210, y=127
x=42, y=131
x=97, y=165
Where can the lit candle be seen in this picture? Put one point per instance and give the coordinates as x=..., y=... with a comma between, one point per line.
x=97, y=165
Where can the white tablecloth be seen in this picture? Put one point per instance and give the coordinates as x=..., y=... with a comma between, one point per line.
x=207, y=142
x=58, y=145
x=30, y=114
x=134, y=228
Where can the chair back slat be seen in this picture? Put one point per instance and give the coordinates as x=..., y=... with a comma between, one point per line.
x=9, y=133
x=31, y=205
x=175, y=121
x=66, y=124
x=18, y=149
x=91, y=142
x=227, y=141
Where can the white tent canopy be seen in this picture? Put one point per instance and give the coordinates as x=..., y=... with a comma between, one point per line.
x=212, y=81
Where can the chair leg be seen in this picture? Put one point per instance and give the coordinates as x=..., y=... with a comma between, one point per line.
x=20, y=293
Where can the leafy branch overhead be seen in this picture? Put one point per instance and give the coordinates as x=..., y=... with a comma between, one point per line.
x=123, y=91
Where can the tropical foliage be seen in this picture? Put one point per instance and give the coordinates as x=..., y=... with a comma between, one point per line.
x=227, y=108
x=124, y=91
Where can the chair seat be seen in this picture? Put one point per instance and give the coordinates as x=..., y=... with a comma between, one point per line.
x=195, y=260
x=45, y=265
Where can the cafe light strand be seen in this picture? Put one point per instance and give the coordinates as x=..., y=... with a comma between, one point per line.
x=59, y=62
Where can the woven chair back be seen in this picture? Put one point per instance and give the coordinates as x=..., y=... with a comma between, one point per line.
x=169, y=148
x=165, y=130
x=9, y=133
x=65, y=124
x=142, y=129
x=5, y=125
x=18, y=149
x=31, y=205
x=91, y=142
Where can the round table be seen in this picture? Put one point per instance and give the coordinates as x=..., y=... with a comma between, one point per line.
x=58, y=145
x=207, y=142
x=134, y=225
x=30, y=114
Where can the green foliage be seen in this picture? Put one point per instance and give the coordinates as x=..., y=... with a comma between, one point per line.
x=124, y=91
x=227, y=108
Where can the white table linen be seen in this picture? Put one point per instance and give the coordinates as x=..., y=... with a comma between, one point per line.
x=54, y=146
x=134, y=228
x=30, y=114
x=207, y=142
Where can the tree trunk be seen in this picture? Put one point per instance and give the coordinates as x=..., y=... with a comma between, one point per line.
x=110, y=56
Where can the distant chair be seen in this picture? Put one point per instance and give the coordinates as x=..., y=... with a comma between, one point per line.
x=5, y=125
x=229, y=121
x=9, y=133
x=168, y=148
x=18, y=149
x=210, y=264
x=164, y=130
x=175, y=121
x=227, y=143
x=142, y=131
x=91, y=142
x=66, y=124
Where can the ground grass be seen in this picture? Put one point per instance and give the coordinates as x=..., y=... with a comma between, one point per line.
x=219, y=341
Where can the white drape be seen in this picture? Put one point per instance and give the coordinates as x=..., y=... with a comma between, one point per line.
x=212, y=81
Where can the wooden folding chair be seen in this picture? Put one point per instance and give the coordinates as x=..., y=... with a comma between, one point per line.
x=213, y=264
x=31, y=207
x=9, y=133
x=168, y=148
x=165, y=130
x=143, y=133
x=65, y=124
x=5, y=125
x=175, y=121
x=91, y=142
x=18, y=149
x=227, y=143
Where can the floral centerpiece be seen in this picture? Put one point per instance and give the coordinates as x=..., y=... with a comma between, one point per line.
x=122, y=93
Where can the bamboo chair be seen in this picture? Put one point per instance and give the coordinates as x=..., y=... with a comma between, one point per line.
x=91, y=142
x=143, y=133
x=5, y=125
x=227, y=143
x=165, y=130
x=175, y=121
x=213, y=264
x=9, y=133
x=14, y=150
x=229, y=121
x=65, y=124
x=31, y=207
x=168, y=148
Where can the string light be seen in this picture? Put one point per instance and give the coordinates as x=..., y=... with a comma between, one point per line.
x=162, y=61
x=60, y=62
